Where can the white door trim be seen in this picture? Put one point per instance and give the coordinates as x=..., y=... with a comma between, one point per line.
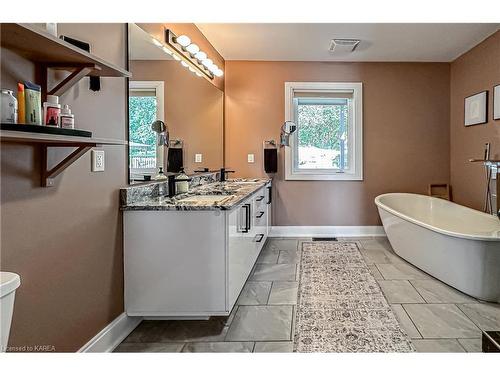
x=327, y=231
x=112, y=335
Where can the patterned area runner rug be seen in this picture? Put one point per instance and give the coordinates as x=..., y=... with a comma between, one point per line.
x=341, y=307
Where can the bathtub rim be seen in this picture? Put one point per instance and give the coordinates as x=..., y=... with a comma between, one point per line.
x=383, y=206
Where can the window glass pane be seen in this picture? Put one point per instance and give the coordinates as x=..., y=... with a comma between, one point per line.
x=142, y=113
x=322, y=133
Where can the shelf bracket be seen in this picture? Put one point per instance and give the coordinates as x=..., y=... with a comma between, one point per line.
x=72, y=79
x=49, y=175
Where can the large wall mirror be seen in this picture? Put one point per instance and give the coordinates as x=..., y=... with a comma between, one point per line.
x=190, y=106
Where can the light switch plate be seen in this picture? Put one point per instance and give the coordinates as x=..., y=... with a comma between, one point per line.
x=97, y=160
x=198, y=158
x=251, y=158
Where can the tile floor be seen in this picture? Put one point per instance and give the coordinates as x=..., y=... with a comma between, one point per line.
x=436, y=317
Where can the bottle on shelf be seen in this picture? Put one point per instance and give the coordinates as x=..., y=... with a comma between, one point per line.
x=67, y=119
x=9, y=107
x=32, y=100
x=21, y=104
x=51, y=111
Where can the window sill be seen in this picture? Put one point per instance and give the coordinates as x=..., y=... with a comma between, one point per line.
x=143, y=171
x=323, y=177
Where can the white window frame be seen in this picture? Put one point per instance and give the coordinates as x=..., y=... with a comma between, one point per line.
x=159, y=87
x=355, y=136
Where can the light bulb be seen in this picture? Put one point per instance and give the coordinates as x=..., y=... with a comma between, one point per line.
x=207, y=62
x=183, y=40
x=201, y=55
x=219, y=73
x=176, y=57
x=156, y=42
x=167, y=51
x=199, y=74
x=213, y=68
x=192, y=70
x=184, y=64
x=192, y=48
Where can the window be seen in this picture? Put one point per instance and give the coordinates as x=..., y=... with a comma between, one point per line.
x=145, y=106
x=327, y=144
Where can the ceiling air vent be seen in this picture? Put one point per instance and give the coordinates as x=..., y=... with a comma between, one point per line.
x=343, y=45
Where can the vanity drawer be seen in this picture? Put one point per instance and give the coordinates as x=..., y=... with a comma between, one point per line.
x=260, y=199
x=260, y=219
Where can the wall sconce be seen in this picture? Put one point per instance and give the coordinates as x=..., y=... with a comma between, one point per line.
x=287, y=129
x=189, y=54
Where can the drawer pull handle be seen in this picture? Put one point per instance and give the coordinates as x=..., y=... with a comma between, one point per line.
x=261, y=237
x=247, y=227
x=260, y=198
x=261, y=213
x=269, y=194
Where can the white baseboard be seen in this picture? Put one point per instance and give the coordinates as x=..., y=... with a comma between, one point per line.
x=112, y=335
x=327, y=231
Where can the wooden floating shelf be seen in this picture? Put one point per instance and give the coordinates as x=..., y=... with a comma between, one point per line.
x=49, y=52
x=82, y=144
x=41, y=47
x=55, y=139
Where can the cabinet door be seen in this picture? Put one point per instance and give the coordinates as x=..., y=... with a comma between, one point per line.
x=240, y=250
x=174, y=262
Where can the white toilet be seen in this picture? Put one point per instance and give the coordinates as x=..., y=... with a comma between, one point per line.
x=9, y=282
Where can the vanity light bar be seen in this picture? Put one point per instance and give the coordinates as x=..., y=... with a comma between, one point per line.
x=190, y=56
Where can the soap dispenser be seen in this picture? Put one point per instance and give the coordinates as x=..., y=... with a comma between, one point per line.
x=160, y=175
x=182, y=186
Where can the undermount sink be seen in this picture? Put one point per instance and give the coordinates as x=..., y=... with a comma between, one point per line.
x=205, y=198
x=242, y=182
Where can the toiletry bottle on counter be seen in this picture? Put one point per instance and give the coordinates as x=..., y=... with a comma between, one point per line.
x=9, y=107
x=160, y=175
x=67, y=119
x=182, y=186
x=33, y=103
x=51, y=111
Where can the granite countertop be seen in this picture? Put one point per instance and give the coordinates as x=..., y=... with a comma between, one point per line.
x=232, y=192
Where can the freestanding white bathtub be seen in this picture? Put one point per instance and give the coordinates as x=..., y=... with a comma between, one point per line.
x=457, y=245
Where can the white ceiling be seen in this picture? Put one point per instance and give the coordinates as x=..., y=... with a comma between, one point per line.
x=379, y=42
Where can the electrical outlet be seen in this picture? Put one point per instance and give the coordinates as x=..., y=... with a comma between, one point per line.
x=251, y=158
x=198, y=158
x=97, y=160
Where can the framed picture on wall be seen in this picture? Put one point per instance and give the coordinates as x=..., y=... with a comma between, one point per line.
x=476, y=109
x=496, y=102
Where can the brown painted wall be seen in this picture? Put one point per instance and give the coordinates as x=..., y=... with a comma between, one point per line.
x=66, y=241
x=475, y=71
x=194, y=110
x=406, y=134
x=191, y=30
